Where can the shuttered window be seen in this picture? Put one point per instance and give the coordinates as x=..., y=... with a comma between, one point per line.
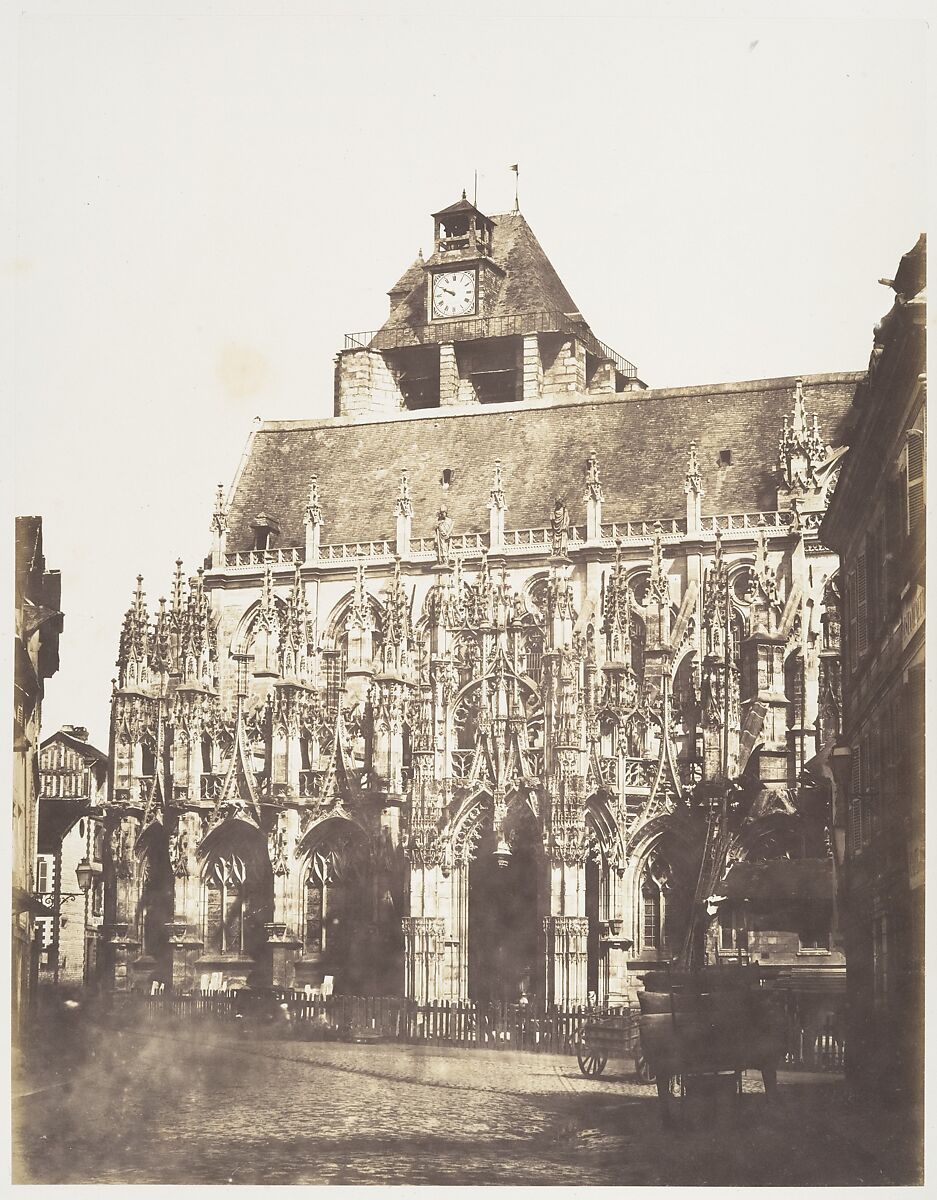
x=862, y=619
x=915, y=479
x=855, y=802
x=851, y=610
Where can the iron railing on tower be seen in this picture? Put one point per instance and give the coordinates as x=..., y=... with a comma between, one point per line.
x=475, y=328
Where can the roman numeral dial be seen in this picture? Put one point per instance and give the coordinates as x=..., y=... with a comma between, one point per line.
x=454, y=294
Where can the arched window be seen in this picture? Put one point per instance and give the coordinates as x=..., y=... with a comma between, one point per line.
x=655, y=885
x=225, y=882
x=336, y=906
x=315, y=914
x=650, y=915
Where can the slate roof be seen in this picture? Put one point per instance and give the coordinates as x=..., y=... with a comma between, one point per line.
x=530, y=283
x=640, y=438
x=780, y=879
x=462, y=205
x=414, y=276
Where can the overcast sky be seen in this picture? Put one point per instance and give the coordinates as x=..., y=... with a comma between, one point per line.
x=206, y=204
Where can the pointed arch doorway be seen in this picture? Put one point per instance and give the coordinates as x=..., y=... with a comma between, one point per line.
x=505, y=910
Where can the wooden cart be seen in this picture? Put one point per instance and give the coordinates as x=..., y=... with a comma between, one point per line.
x=603, y=1037
x=709, y=1022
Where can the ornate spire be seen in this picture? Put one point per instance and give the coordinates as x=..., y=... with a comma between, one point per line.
x=801, y=449
x=659, y=586
x=134, y=649
x=403, y=505
x=295, y=632
x=481, y=595
x=161, y=647
x=219, y=520
x=694, y=479
x=177, y=618
x=593, y=485
x=198, y=633
x=267, y=617
x=396, y=622
x=617, y=600
x=238, y=794
x=359, y=615
x=496, y=495
x=178, y=582
x=715, y=603
x=763, y=587
x=312, y=514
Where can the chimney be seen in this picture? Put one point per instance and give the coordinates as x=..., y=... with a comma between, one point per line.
x=76, y=731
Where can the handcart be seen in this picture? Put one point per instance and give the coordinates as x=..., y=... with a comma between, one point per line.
x=605, y=1036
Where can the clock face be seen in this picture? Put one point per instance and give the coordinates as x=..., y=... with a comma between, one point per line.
x=454, y=294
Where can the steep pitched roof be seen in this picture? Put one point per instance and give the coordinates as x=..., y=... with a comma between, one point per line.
x=640, y=437
x=462, y=205
x=530, y=283
x=79, y=744
x=414, y=276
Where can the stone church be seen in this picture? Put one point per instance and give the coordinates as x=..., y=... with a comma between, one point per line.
x=443, y=712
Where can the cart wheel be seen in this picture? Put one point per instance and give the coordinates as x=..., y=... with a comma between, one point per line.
x=591, y=1064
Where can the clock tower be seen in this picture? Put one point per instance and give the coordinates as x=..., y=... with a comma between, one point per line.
x=461, y=274
x=485, y=319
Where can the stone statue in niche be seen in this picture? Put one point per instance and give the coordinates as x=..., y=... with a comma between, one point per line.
x=560, y=529
x=443, y=531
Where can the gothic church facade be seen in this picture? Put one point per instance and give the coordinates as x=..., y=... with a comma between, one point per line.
x=442, y=714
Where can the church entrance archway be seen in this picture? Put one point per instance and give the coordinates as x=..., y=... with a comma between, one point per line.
x=337, y=911
x=505, y=919
x=155, y=911
x=237, y=905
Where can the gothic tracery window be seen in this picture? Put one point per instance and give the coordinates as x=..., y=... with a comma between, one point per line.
x=335, y=901
x=225, y=882
x=652, y=916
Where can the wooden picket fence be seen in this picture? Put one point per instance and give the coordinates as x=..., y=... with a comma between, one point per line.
x=391, y=1018
x=494, y=1026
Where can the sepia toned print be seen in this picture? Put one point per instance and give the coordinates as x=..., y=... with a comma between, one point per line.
x=524, y=786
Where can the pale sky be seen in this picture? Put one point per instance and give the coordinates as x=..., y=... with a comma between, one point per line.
x=206, y=204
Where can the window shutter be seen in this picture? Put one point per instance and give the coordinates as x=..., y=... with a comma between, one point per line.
x=915, y=479
x=862, y=628
x=855, y=825
x=855, y=801
x=851, y=606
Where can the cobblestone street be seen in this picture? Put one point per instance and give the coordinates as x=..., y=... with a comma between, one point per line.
x=160, y=1109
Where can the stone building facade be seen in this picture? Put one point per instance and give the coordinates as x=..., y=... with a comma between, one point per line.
x=444, y=711
x=37, y=625
x=877, y=523
x=72, y=791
